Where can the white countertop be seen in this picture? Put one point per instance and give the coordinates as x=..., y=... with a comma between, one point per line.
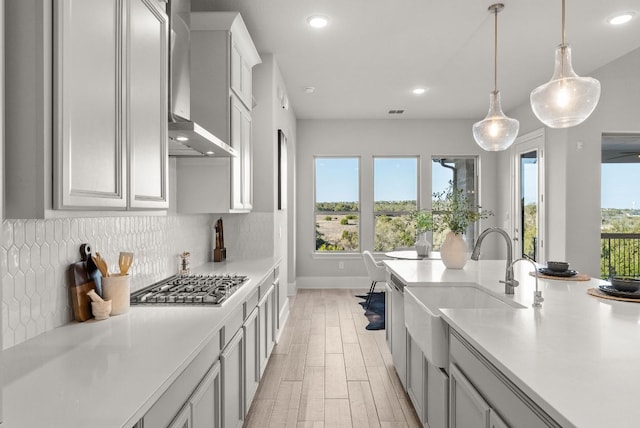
x=109, y=373
x=576, y=356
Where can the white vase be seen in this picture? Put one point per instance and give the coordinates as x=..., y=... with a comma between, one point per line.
x=454, y=251
x=423, y=246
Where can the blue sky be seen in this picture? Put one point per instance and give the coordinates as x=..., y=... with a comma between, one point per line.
x=395, y=179
x=620, y=185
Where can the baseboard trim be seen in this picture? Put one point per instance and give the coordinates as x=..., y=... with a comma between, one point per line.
x=292, y=288
x=284, y=317
x=333, y=282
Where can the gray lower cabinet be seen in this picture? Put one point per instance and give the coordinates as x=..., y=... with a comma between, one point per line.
x=482, y=396
x=468, y=408
x=193, y=398
x=267, y=312
x=205, y=403
x=232, y=367
x=428, y=387
x=251, y=328
x=203, y=408
x=416, y=376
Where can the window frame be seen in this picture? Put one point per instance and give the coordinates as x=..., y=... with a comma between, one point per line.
x=375, y=213
x=322, y=253
x=476, y=189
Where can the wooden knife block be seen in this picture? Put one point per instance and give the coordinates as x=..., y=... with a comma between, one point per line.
x=219, y=254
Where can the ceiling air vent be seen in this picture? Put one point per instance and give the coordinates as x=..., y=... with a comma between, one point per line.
x=396, y=111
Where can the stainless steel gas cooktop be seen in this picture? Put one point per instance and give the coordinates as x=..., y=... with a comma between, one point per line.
x=189, y=290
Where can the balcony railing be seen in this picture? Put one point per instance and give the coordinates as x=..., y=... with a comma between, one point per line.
x=619, y=254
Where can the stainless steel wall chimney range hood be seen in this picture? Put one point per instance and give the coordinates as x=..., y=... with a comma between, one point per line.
x=186, y=138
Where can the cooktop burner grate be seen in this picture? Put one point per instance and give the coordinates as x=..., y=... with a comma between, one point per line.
x=189, y=290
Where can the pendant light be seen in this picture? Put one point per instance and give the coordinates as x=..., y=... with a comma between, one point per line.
x=496, y=131
x=567, y=99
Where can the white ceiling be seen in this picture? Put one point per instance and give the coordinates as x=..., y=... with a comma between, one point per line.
x=374, y=52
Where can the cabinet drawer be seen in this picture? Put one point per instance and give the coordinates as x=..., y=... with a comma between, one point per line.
x=232, y=324
x=515, y=407
x=251, y=303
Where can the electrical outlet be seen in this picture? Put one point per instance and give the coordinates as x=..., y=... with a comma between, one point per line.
x=340, y=265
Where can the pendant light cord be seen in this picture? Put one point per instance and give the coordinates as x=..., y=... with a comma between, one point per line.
x=563, y=30
x=495, y=52
x=563, y=46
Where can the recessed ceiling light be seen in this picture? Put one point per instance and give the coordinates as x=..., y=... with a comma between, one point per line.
x=209, y=153
x=309, y=89
x=317, y=21
x=182, y=139
x=419, y=91
x=621, y=18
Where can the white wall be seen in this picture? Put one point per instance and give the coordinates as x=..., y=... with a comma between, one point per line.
x=573, y=173
x=268, y=116
x=366, y=138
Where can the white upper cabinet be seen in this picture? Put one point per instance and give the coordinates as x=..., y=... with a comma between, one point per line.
x=146, y=105
x=88, y=120
x=222, y=58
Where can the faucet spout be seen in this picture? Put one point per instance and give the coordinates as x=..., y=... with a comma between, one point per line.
x=509, y=282
x=537, y=295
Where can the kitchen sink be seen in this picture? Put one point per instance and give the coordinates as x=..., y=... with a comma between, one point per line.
x=424, y=320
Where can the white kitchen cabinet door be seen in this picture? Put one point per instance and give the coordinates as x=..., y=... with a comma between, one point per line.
x=467, y=408
x=146, y=105
x=252, y=357
x=89, y=147
x=267, y=321
x=416, y=377
x=232, y=367
x=205, y=403
x=241, y=74
x=241, y=166
x=183, y=419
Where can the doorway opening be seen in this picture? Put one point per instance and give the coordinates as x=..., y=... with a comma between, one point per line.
x=620, y=205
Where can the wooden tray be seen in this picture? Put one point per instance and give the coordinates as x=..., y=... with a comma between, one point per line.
x=597, y=293
x=578, y=277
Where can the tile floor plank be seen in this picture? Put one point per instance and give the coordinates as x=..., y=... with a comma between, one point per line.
x=329, y=371
x=312, y=395
x=363, y=409
x=338, y=413
x=285, y=407
x=316, y=350
x=335, y=385
x=333, y=340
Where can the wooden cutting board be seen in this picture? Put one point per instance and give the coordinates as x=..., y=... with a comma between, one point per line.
x=80, y=285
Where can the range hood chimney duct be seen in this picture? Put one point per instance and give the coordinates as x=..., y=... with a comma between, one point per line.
x=186, y=138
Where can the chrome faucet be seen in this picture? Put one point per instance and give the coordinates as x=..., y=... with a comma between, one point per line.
x=509, y=282
x=537, y=295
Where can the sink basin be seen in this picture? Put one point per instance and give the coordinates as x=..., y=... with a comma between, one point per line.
x=424, y=320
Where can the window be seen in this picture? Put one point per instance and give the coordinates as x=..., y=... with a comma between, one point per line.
x=337, y=204
x=461, y=172
x=395, y=188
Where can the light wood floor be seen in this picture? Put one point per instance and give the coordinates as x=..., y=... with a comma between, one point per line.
x=328, y=371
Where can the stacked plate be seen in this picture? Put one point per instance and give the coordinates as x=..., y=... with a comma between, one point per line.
x=622, y=287
x=559, y=269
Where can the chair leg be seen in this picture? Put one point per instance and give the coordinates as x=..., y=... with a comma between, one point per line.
x=373, y=286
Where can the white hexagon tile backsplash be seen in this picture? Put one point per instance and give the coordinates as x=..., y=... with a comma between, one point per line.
x=36, y=254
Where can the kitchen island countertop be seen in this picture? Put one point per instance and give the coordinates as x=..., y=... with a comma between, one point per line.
x=109, y=373
x=575, y=357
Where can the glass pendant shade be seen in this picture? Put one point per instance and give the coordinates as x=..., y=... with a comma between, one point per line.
x=567, y=99
x=496, y=131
